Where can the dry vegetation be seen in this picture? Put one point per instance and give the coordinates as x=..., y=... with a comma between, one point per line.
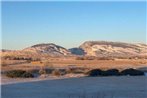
x=67, y=67
x=71, y=62
x=63, y=66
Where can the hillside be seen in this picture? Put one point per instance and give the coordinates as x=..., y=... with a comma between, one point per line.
x=38, y=51
x=114, y=49
x=88, y=48
x=50, y=49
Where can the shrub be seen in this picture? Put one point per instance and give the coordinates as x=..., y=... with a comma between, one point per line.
x=78, y=71
x=89, y=58
x=98, y=72
x=105, y=58
x=3, y=64
x=49, y=70
x=56, y=73
x=69, y=70
x=19, y=74
x=27, y=75
x=15, y=73
x=132, y=72
x=94, y=72
x=75, y=70
x=45, y=71
x=86, y=58
x=62, y=71
x=35, y=71
x=110, y=72
x=42, y=71
x=79, y=58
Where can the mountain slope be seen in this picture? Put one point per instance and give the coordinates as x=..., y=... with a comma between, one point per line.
x=115, y=49
x=50, y=49
x=37, y=51
x=88, y=48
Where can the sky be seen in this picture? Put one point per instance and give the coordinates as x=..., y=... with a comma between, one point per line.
x=69, y=24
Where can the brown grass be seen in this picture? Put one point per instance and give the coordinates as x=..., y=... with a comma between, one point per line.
x=62, y=63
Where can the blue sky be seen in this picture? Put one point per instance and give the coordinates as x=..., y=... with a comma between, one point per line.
x=71, y=23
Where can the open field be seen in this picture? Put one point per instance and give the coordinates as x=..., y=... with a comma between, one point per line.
x=75, y=85
x=62, y=63
x=86, y=87
x=120, y=63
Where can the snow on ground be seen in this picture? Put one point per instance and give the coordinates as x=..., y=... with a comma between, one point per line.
x=6, y=80
x=91, y=87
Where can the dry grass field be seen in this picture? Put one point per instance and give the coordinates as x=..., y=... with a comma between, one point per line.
x=120, y=63
x=62, y=63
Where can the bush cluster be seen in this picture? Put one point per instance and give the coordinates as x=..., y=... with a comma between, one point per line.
x=19, y=74
x=86, y=58
x=110, y=72
x=45, y=71
x=94, y=72
x=60, y=72
x=94, y=58
x=76, y=70
x=56, y=73
x=132, y=72
x=114, y=72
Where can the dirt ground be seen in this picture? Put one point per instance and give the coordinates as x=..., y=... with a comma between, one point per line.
x=85, y=87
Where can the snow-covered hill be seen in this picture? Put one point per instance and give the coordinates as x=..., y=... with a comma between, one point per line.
x=50, y=49
x=88, y=48
x=37, y=51
x=114, y=49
